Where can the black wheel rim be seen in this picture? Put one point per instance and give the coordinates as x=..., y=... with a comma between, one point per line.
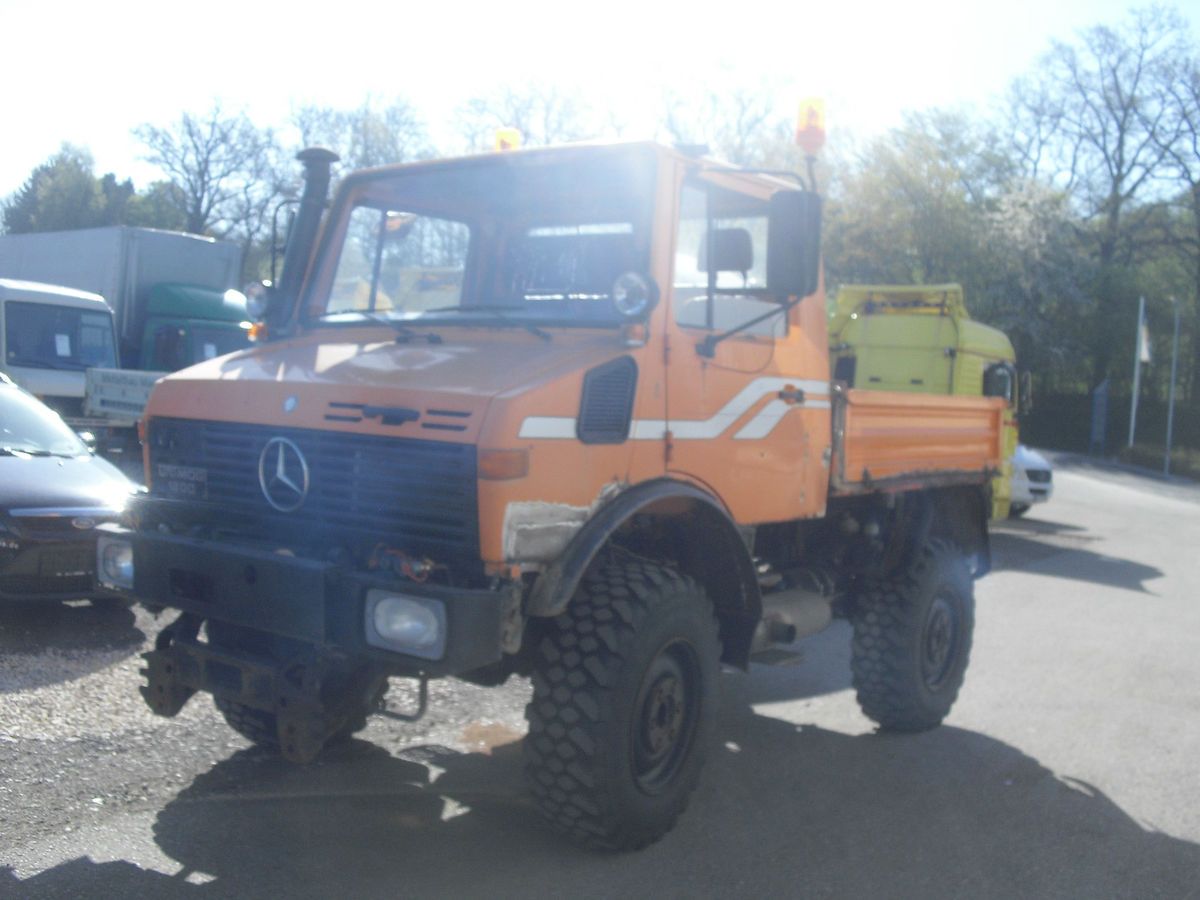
x=939, y=642
x=664, y=722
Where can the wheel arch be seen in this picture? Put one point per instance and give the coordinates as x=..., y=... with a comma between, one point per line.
x=695, y=534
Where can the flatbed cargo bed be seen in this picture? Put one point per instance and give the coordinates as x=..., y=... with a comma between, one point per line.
x=887, y=440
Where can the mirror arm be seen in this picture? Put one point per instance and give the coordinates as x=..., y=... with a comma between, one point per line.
x=707, y=346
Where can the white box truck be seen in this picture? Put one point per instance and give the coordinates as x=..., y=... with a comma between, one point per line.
x=167, y=289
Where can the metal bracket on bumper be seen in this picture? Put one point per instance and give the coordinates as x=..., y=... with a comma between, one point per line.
x=179, y=666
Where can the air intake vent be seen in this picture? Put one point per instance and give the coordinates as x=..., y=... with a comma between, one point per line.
x=607, y=403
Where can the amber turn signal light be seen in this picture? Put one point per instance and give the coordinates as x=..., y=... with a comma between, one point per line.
x=503, y=465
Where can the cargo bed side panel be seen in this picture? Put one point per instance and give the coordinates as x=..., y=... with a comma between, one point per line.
x=884, y=438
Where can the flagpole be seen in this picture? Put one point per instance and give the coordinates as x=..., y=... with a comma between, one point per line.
x=1137, y=368
x=1171, y=390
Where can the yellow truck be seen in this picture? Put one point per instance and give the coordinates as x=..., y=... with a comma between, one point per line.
x=921, y=339
x=562, y=412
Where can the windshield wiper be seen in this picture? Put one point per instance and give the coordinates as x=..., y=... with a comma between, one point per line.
x=404, y=332
x=496, y=313
x=24, y=451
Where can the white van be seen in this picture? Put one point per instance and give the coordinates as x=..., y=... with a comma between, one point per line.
x=49, y=337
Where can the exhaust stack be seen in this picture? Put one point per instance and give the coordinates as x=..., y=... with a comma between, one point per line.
x=303, y=235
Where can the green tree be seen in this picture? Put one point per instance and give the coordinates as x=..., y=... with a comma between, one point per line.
x=1097, y=124
x=63, y=193
x=159, y=206
x=909, y=208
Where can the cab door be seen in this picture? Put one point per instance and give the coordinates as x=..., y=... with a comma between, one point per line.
x=748, y=403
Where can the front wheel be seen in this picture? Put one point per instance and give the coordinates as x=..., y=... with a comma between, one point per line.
x=912, y=640
x=624, y=703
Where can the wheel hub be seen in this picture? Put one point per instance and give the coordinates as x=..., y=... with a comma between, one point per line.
x=938, y=645
x=665, y=716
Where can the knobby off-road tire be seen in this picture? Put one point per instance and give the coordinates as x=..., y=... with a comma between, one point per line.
x=912, y=640
x=261, y=727
x=624, y=702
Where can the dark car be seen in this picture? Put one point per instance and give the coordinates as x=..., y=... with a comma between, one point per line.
x=53, y=494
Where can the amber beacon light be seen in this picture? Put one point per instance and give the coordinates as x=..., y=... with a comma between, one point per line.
x=810, y=126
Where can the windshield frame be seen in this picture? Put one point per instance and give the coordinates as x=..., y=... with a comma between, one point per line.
x=483, y=259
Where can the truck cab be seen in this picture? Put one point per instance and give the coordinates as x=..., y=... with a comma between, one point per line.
x=186, y=324
x=922, y=339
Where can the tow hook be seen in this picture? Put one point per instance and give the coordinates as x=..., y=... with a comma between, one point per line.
x=422, y=704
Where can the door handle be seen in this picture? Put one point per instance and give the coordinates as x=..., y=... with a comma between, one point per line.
x=792, y=395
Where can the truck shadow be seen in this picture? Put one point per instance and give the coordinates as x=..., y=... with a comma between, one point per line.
x=1060, y=551
x=783, y=809
x=69, y=641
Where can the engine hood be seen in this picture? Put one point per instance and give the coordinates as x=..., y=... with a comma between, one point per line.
x=83, y=482
x=364, y=380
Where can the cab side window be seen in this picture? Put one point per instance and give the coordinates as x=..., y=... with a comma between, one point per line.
x=721, y=263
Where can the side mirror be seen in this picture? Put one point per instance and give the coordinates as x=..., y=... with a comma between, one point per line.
x=89, y=440
x=793, y=244
x=261, y=297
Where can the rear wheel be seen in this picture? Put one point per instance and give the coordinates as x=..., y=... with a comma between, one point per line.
x=912, y=640
x=624, y=702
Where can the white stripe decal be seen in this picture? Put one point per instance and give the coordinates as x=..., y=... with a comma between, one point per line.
x=695, y=429
x=770, y=416
x=547, y=427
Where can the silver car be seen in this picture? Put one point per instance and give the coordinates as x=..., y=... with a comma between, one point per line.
x=1032, y=480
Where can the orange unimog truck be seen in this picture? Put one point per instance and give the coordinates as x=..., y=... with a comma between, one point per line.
x=561, y=412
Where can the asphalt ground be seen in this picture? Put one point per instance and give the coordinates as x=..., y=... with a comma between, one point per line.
x=1068, y=768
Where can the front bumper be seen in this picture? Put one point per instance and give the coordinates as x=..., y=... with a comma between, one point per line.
x=318, y=603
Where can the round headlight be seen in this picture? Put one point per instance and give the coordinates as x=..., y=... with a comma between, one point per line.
x=633, y=295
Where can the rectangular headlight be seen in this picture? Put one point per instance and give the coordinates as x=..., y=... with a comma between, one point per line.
x=406, y=624
x=114, y=563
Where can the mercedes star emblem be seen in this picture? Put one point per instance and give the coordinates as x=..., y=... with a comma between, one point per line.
x=283, y=474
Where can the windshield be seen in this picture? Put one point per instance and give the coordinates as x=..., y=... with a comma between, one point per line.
x=174, y=346
x=506, y=239
x=27, y=426
x=58, y=337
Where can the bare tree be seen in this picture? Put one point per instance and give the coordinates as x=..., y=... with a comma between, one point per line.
x=543, y=115
x=377, y=133
x=739, y=125
x=225, y=167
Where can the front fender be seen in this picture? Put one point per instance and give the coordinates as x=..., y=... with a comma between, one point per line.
x=708, y=545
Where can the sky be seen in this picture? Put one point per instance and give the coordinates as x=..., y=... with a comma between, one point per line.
x=87, y=73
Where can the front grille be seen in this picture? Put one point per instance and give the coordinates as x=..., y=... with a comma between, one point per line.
x=1038, y=476
x=64, y=527
x=51, y=569
x=417, y=496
